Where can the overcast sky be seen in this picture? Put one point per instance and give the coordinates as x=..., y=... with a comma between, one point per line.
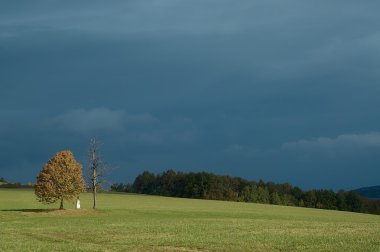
x=284, y=91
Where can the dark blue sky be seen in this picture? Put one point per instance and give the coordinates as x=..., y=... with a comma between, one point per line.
x=286, y=91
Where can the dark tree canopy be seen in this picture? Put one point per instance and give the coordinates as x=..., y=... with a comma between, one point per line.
x=203, y=185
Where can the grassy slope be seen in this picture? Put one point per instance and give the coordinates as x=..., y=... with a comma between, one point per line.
x=135, y=222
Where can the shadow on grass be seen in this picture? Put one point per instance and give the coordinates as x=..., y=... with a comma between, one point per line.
x=29, y=210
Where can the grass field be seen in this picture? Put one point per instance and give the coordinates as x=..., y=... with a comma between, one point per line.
x=127, y=222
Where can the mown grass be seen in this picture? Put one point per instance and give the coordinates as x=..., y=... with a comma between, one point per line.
x=126, y=222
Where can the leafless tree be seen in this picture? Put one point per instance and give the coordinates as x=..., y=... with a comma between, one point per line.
x=96, y=168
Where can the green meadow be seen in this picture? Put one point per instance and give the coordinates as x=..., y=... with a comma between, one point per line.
x=127, y=222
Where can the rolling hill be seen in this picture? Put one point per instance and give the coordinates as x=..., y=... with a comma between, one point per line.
x=371, y=192
x=129, y=222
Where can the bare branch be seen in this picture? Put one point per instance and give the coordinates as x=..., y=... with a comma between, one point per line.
x=96, y=167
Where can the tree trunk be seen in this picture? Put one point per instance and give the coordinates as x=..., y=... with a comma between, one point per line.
x=94, y=194
x=94, y=185
x=61, y=206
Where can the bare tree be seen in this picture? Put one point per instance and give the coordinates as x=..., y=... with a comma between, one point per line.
x=96, y=168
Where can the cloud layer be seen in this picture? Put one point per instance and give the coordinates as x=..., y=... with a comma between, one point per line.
x=194, y=85
x=347, y=142
x=89, y=121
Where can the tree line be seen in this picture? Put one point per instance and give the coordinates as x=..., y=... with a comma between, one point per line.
x=6, y=184
x=204, y=185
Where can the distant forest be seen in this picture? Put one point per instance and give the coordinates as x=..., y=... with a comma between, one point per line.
x=203, y=185
x=6, y=184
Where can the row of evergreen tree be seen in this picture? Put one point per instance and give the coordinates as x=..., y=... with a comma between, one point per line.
x=203, y=185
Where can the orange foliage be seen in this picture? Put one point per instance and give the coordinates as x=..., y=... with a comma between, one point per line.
x=60, y=179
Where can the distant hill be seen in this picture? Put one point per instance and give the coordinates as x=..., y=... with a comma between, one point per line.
x=6, y=184
x=372, y=192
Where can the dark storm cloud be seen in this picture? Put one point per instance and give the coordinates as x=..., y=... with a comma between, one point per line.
x=342, y=143
x=87, y=121
x=261, y=89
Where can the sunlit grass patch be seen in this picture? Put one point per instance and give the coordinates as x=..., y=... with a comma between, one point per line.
x=126, y=222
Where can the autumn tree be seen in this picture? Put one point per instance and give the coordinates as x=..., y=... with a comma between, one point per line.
x=60, y=179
